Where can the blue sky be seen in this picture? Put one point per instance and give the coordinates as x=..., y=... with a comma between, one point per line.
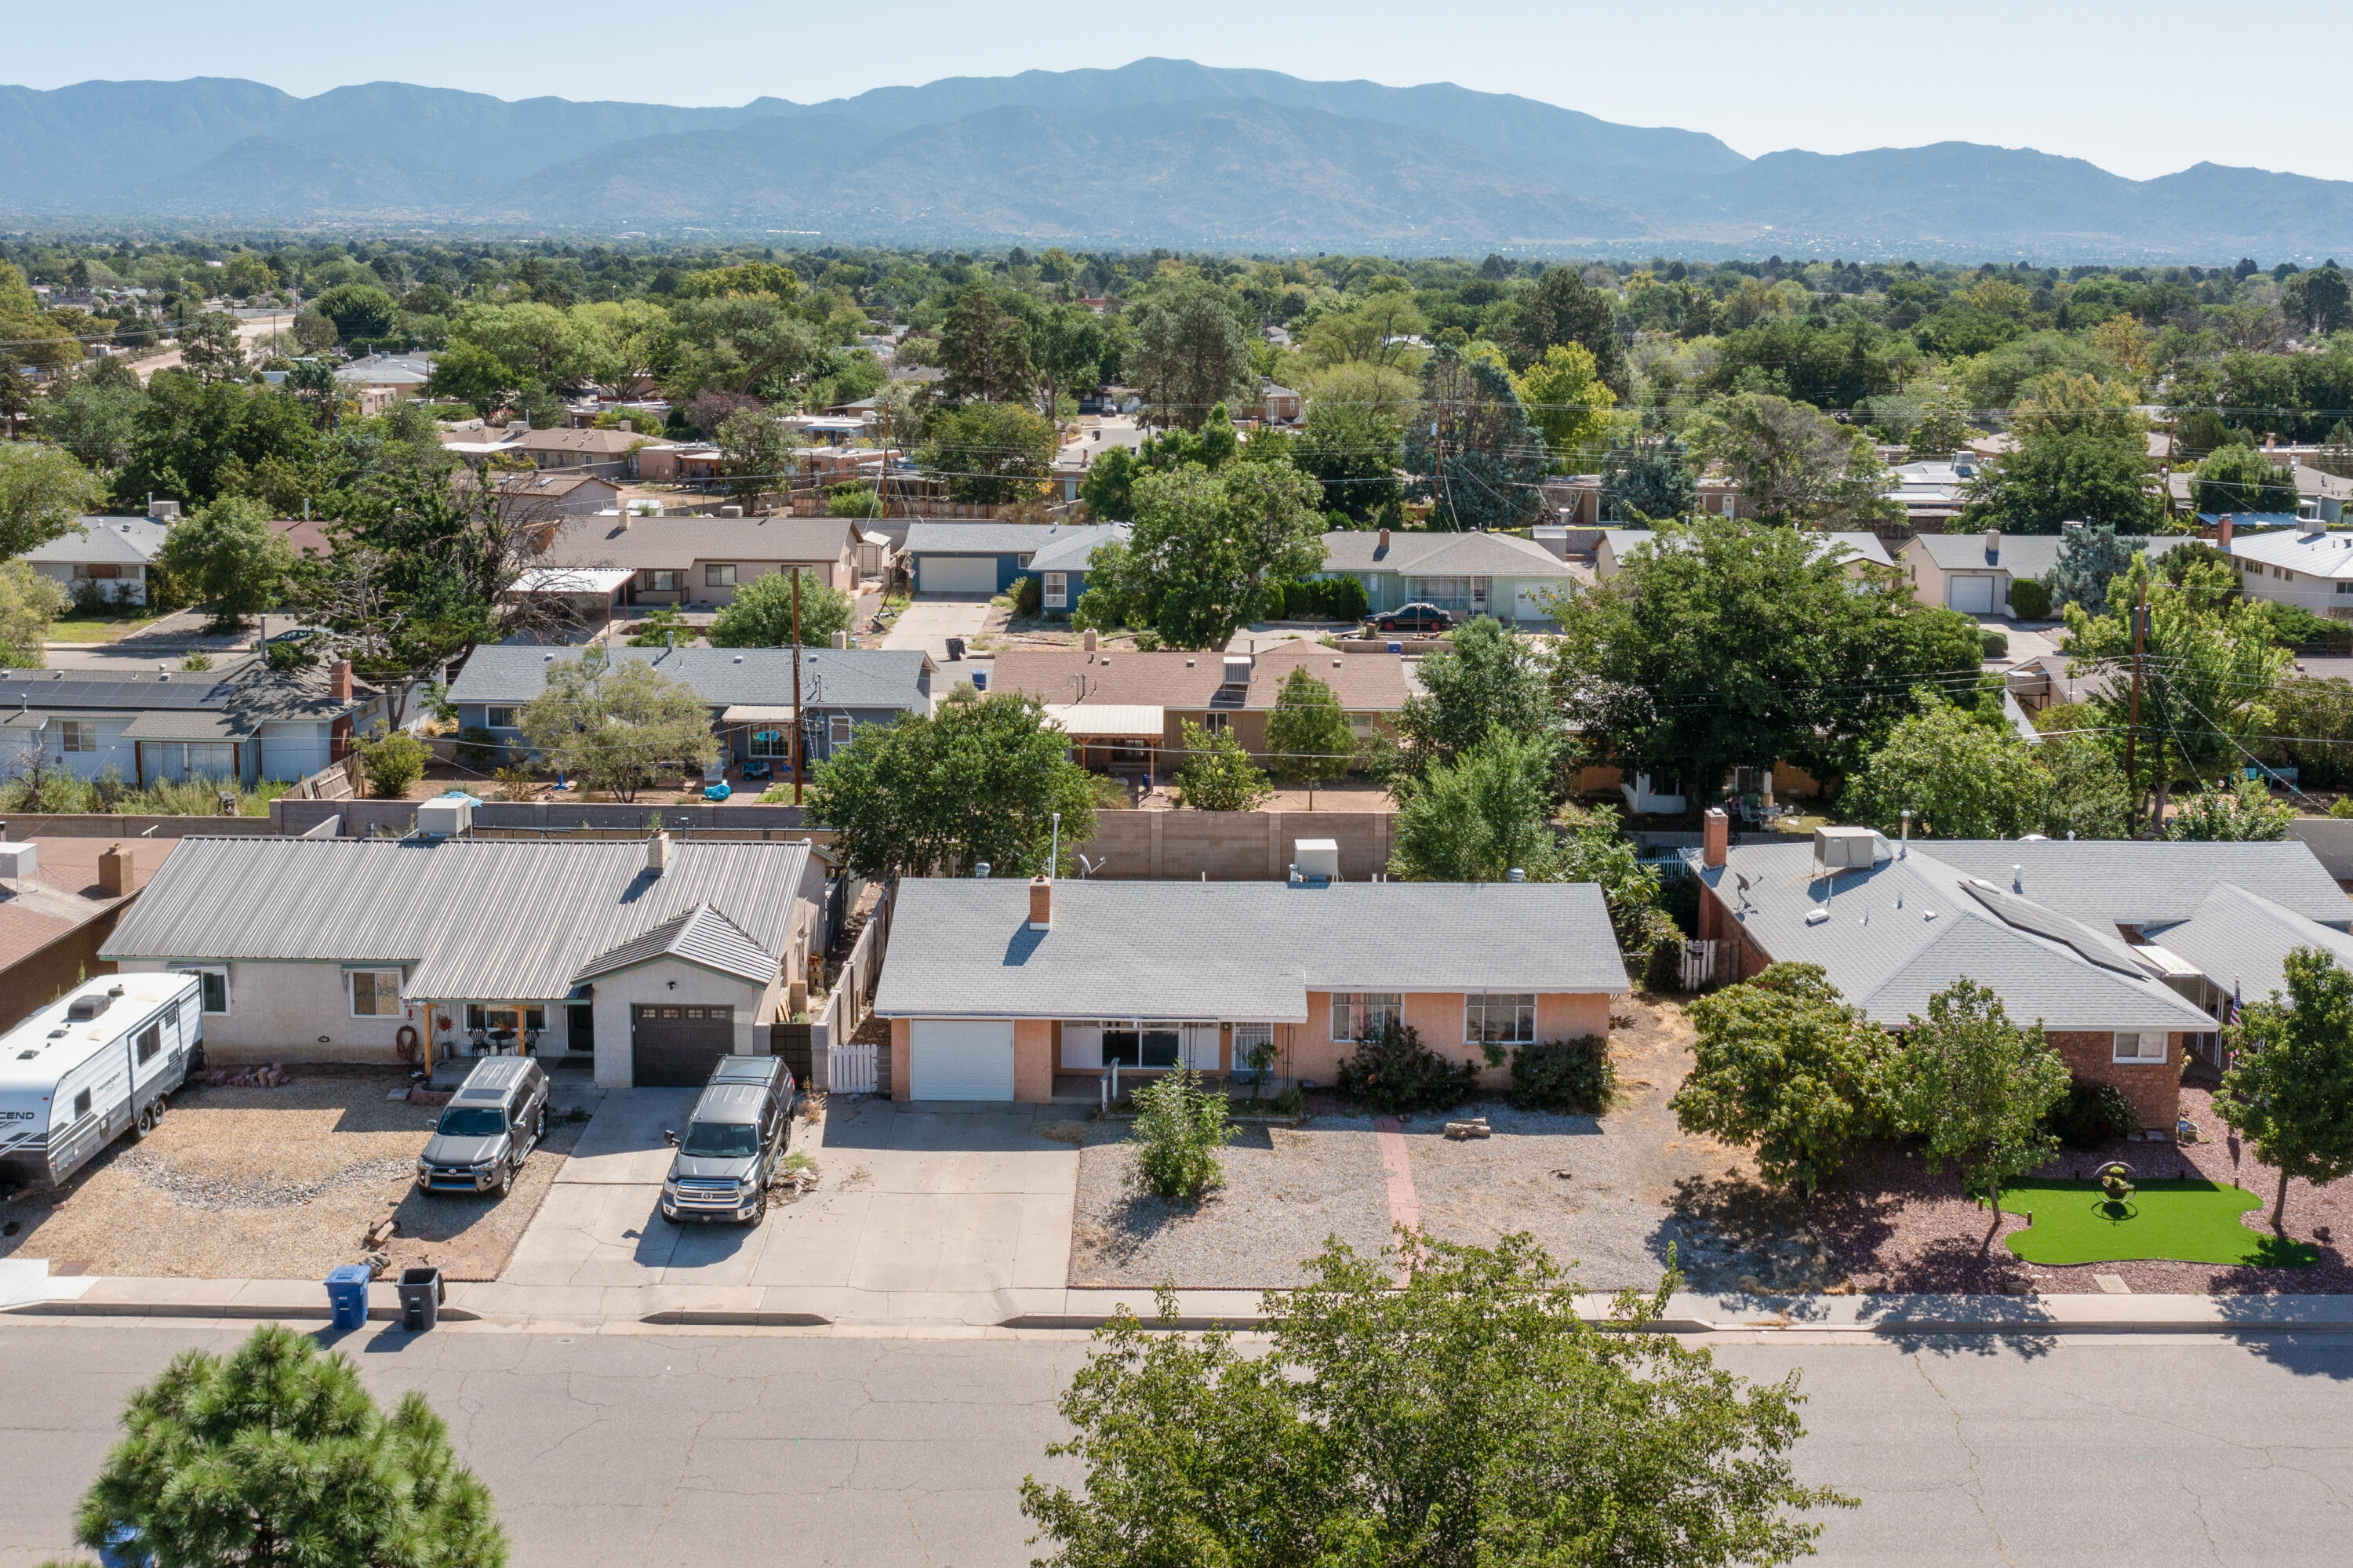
x=2130, y=87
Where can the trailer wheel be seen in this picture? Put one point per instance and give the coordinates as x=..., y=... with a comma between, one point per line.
x=145, y=1123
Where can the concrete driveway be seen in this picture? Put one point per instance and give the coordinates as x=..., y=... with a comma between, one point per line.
x=914, y=1202
x=929, y=621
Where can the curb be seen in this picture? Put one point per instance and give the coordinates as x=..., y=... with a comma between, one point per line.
x=723, y=1318
x=256, y=1312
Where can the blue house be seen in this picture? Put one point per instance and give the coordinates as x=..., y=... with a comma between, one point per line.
x=981, y=559
x=1466, y=574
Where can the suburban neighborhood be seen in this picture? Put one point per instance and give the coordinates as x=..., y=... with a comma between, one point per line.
x=1164, y=812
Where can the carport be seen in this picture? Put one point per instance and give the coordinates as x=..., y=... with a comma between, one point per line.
x=1111, y=736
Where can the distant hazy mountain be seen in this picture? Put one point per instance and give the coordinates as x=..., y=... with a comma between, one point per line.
x=1159, y=151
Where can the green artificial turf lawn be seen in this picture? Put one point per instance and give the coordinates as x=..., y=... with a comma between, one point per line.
x=2174, y=1221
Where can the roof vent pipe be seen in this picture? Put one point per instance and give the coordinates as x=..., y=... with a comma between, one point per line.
x=980, y=871
x=1515, y=875
x=2018, y=879
x=1904, y=850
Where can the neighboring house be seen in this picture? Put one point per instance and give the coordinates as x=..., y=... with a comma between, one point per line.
x=994, y=986
x=1128, y=710
x=748, y=690
x=108, y=557
x=1930, y=492
x=1280, y=404
x=240, y=720
x=1577, y=499
x=980, y=559
x=57, y=912
x=2318, y=495
x=546, y=496
x=304, y=536
x=651, y=958
x=2125, y=951
x=1972, y=572
x=2305, y=565
x=685, y=463
x=1860, y=552
x=1468, y=574
x=610, y=453
x=1079, y=454
x=701, y=560
x=380, y=380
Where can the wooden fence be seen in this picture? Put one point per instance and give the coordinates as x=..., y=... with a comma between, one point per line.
x=838, y=1064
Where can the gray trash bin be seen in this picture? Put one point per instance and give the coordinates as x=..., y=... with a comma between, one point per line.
x=421, y=1295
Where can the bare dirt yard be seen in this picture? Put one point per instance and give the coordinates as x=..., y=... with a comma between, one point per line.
x=280, y=1184
x=1612, y=1193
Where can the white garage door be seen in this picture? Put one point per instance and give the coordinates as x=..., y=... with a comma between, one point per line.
x=957, y=574
x=952, y=1059
x=1971, y=595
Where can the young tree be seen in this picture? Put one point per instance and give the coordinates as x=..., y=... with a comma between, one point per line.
x=1783, y=1066
x=2288, y=1089
x=1976, y=1087
x=613, y=723
x=1203, y=549
x=226, y=555
x=44, y=492
x=989, y=454
x=1308, y=732
x=2245, y=812
x=1474, y=1416
x=1792, y=464
x=980, y=779
x=1568, y=401
x=393, y=760
x=1217, y=774
x=275, y=1457
x=1960, y=777
x=760, y=613
x=1179, y=1127
x=28, y=603
x=1470, y=449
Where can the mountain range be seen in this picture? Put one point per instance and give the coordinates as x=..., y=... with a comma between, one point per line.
x=1156, y=153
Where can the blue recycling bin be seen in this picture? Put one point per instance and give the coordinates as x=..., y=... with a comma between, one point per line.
x=347, y=1293
x=125, y=1547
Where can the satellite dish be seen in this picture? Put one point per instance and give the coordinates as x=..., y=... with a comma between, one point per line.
x=1741, y=880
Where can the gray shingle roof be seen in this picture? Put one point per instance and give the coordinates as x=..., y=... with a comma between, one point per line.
x=1251, y=951
x=701, y=935
x=2021, y=554
x=245, y=690
x=475, y=919
x=668, y=542
x=1066, y=541
x=1442, y=554
x=1841, y=544
x=104, y=541
x=2047, y=941
x=831, y=677
x=2241, y=940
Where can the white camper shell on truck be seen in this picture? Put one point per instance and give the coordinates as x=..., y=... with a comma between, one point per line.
x=99, y=1060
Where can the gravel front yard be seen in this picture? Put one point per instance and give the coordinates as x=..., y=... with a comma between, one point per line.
x=1634, y=1183
x=279, y=1184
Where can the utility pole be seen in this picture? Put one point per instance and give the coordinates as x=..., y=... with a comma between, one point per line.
x=2132, y=726
x=797, y=741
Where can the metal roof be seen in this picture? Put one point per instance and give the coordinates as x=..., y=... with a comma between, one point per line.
x=1125, y=719
x=2046, y=937
x=701, y=935
x=722, y=677
x=473, y=920
x=1246, y=951
x=2321, y=554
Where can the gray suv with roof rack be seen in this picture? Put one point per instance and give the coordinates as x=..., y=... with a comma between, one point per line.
x=491, y=1126
x=734, y=1143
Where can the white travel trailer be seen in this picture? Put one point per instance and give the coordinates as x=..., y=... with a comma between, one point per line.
x=99, y=1060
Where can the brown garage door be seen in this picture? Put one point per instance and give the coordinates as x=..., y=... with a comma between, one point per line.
x=675, y=1046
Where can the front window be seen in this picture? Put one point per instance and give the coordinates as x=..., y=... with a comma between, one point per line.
x=721, y=1139
x=1022, y=561
x=215, y=986
x=837, y=729
x=499, y=718
x=1057, y=591
x=663, y=581
x=771, y=743
x=77, y=734
x=1216, y=724
x=1500, y=1020
x=1363, y=1015
x=1140, y=1045
x=1252, y=1041
x=472, y=1121
x=375, y=993
x=2147, y=1045
x=716, y=576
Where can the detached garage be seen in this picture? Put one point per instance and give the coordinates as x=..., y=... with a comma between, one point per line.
x=960, y=1059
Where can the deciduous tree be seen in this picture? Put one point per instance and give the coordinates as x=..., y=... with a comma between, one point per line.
x=614, y=723
x=1469, y=450
x=1308, y=735
x=226, y=555
x=1783, y=1066
x=1203, y=549
x=2288, y=1089
x=1217, y=774
x=1976, y=1087
x=760, y=613
x=990, y=453
x=43, y=492
x=1791, y=464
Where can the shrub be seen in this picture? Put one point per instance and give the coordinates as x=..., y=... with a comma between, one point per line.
x=1028, y=594
x=1340, y=598
x=1571, y=1076
x=1393, y=1071
x=2091, y=1114
x=479, y=751
x=1656, y=956
x=1996, y=645
x=2341, y=807
x=1179, y=1127
x=393, y=762
x=2029, y=599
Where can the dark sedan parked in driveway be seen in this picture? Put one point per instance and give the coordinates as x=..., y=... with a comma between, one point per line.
x=1414, y=618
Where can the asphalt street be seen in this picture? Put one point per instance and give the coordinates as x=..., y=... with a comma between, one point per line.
x=648, y=1448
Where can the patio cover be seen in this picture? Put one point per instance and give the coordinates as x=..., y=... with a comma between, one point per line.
x=756, y=713
x=1097, y=721
x=572, y=579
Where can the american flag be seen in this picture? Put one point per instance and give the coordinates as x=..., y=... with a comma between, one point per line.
x=2229, y=1022
x=2231, y=1010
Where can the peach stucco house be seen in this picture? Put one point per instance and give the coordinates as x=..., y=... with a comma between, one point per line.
x=994, y=987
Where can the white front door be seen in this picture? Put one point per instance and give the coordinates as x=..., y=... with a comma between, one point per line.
x=1971, y=595
x=959, y=1059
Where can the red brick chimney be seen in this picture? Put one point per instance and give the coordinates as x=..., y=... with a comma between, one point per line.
x=1715, y=836
x=339, y=680
x=1041, y=904
x=2222, y=532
